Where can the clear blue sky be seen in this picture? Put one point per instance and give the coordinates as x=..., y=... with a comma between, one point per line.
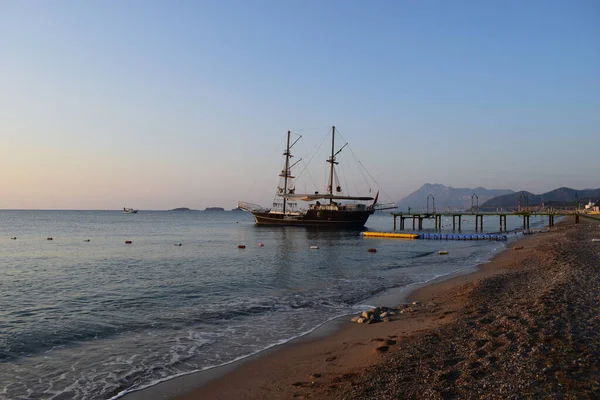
x=157, y=105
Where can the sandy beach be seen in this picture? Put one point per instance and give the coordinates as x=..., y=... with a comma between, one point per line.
x=524, y=325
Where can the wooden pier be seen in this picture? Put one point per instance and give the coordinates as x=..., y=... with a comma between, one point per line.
x=417, y=218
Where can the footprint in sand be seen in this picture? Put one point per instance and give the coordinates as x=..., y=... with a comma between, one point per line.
x=451, y=375
x=478, y=374
x=493, y=360
x=474, y=365
x=495, y=333
x=496, y=345
x=300, y=384
x=510, y=335
x=452, y=362
x=382, y=349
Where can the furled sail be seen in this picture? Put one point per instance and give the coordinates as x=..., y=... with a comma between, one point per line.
x=325, y=196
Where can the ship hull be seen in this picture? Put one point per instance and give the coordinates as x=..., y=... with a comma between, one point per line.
x=355, y=219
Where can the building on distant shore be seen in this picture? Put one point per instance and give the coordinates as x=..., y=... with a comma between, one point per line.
x=593, y=207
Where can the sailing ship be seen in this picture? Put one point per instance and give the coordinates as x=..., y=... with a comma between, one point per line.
x=129, y=210
x=332, y=209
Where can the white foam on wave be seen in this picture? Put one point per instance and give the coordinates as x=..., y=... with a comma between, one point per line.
x=60, y=346
x=277, y=343
x=362, y=307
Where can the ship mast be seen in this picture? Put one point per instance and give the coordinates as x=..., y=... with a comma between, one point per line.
x=286, y=172
x=331, y=161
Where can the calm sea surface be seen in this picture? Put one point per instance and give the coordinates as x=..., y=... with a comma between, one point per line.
x=94, y=319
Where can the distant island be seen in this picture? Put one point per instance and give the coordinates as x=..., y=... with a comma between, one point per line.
x=237, y=209
x=181, y=209
x=214, y=209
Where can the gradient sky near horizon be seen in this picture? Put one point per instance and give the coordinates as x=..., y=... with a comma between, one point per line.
x=164, y=104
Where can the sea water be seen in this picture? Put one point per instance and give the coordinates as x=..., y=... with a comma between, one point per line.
x=87, y=316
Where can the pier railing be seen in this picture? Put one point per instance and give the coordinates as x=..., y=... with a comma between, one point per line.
x=524, y=212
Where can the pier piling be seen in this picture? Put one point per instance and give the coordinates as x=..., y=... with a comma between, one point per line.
x=478, y=222
x=417, y=219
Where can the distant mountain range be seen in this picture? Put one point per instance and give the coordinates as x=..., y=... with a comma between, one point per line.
x=563, y=196
x=447, y=197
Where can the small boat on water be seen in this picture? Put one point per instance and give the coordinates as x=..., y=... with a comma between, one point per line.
x=334, y=208
x=129, y=210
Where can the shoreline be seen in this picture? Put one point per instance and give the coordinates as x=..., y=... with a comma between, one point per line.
x=526, y=328
x=213, y=382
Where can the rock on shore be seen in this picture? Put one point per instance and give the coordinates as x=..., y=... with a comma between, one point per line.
x=385, y=314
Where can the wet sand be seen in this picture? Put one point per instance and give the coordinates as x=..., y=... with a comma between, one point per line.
x=525, y=325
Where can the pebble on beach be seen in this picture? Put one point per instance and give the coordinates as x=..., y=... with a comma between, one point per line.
x=534, y=321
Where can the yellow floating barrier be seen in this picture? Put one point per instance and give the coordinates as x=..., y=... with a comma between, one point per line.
x=390, y=235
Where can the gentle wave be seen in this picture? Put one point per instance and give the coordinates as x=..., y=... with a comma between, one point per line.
x=99, y=319
x=279, y=343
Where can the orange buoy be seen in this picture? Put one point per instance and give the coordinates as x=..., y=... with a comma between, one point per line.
x=241, y=246
x=128, y=242
x=372, y=250
x=260, y=244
